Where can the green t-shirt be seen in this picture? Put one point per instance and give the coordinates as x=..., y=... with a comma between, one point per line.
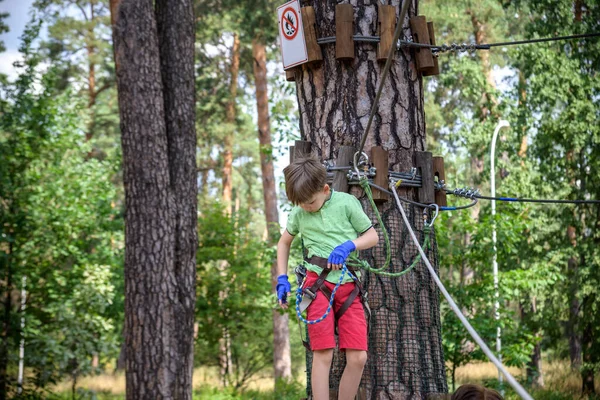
x=340, y=219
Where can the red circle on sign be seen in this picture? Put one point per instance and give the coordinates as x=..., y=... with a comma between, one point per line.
x=289, y=23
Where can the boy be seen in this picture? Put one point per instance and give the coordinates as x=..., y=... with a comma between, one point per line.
x=333, y=225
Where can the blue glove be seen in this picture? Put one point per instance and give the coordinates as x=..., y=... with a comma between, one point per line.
x=340, y=253
x=283, y=288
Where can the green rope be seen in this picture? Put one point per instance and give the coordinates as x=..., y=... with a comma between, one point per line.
x=355, y=262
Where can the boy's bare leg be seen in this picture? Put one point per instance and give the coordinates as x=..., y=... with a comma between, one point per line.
x=355, y=363
x=320, y=373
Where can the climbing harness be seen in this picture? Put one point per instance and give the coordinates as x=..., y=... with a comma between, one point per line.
x=305, y=295
x=312, y=294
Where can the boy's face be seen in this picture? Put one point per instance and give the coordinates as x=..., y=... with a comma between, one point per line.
x=317, y=201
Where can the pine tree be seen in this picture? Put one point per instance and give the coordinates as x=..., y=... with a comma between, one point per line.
x=334, y=100
x=154, y=58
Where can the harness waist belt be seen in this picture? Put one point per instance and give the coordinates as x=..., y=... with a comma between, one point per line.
x=322, y=262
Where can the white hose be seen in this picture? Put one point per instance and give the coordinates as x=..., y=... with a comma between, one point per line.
x=512, y=381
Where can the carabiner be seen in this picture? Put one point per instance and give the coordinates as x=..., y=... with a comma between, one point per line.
x=435, y=214
x=356, y=161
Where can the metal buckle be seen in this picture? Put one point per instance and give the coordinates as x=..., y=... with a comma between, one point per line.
x=310, y=293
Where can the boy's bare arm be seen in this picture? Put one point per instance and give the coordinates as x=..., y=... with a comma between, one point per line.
x=366, y=240
x=283, y=252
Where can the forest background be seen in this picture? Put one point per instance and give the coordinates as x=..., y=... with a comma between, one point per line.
x=62, y=199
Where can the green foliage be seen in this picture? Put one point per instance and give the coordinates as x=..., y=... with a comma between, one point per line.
x=234, y=294
x=551, y=100
x=60, y=230
x=78, y=45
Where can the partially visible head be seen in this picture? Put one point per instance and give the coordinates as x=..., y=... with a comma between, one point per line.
x=305, y=183
x=475, y=392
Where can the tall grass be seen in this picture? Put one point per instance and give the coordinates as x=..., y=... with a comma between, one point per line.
x=561, y=383
x=205, y=382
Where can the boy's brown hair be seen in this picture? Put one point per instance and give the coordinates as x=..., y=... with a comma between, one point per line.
x=475, y=392
x=304, y=178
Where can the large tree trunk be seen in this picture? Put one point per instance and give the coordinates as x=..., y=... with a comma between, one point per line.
x=281, y=334
x=154, y=57
x=405, y=349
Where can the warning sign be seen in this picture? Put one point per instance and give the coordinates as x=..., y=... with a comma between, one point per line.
x=291, y=35
x=289, y=23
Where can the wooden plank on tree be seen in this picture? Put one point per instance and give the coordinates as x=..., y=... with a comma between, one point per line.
x=418, y=26
x=439, y=172
x=310, y=34
x=424, y=164
x=290, y=75
x=380, y=158
x=435, y=70
x=292, y=149
x=387, y=26
x=344, y=30
x=340, y=178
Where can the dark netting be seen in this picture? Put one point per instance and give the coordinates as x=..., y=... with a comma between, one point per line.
x=406, y=359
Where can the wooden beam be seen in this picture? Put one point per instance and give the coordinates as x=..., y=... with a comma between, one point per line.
x=380, y=159
x=387, y=26
x=340, y=178
x=435, y=70
x=290, y=75
x=310, y=34
x=418, y=26
x=344, y=32
x=424, y=164
x=439, y=172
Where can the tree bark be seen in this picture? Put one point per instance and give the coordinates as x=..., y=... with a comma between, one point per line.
x=335, y=98
x=281, y=341
x=154, y=58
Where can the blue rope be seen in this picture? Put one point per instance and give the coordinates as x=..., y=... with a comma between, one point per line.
x=299, y=300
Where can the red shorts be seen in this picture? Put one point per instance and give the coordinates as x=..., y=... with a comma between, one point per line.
x=352, y=326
